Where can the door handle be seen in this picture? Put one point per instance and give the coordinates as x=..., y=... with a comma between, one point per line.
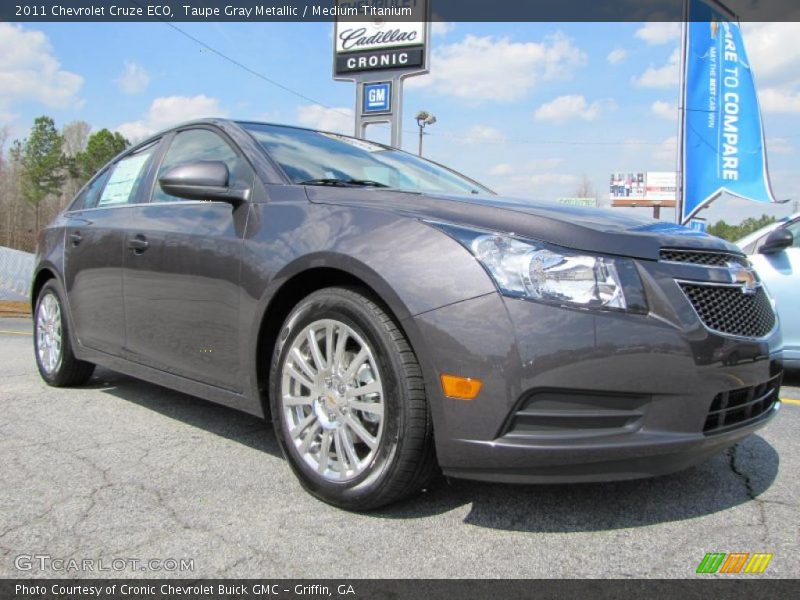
x=75, y=237
x=138, y=244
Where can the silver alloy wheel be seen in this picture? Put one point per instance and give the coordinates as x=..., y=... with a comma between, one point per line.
x=332, y=399
x=48, y=334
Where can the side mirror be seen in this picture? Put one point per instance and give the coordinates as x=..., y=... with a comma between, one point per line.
x=202, y=180
x=778, y=240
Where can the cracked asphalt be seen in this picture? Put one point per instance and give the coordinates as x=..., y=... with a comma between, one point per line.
x=124, y=469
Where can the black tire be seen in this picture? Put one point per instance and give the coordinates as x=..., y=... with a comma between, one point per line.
x=404, y=460
x=69, y=371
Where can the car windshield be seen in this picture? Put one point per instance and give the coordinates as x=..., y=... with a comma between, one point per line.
x=317, y=158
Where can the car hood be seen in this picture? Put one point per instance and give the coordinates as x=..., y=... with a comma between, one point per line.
x=605, y=231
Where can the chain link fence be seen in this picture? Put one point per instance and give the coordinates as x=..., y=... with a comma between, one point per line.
x=16, y=269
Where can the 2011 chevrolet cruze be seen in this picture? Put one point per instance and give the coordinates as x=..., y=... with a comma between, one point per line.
x=396, y=318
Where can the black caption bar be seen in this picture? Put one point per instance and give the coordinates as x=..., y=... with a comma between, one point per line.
x=389, y=10
x=376, y=589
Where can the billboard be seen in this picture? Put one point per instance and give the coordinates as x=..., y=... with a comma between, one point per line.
x=627, y=186
x=380, y=44
x=643, y=188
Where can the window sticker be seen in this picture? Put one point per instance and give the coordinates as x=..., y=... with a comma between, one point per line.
x=123, y=178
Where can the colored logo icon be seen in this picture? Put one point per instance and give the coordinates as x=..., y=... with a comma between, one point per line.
x=735, y=562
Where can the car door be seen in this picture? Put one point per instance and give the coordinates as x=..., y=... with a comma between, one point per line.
x=93, y=250
x=780, y=271
x=181, y=271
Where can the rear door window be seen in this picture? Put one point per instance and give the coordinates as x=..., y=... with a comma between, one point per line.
x=90, y=194
x=125, y=178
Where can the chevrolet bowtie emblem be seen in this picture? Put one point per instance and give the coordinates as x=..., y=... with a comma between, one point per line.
x=744, y=276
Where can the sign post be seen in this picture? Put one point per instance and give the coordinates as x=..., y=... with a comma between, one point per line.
x=378, y=55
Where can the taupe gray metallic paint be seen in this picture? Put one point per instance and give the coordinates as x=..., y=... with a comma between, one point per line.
x=187, y=312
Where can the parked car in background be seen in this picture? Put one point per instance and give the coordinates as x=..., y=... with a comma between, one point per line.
x=774, y=251
x=393, y=317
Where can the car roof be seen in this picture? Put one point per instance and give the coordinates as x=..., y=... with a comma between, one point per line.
x=240, y=123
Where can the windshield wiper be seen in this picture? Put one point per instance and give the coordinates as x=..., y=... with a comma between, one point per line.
x=344, y=182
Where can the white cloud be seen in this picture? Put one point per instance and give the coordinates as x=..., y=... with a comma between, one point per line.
x=779, y=146
x=501, y=169
x=170, y=110
x=659, y=33
x=548, y=179
x=666, y=154
x=30, y=72
x=526, y=169
x=339, y=120
x=134, y=79
x=442, y=27
x=779, y=100
x=665, y=110
x=666, y=76
x=537, y=185
x=487, y=68
x=482, y=133
x=773, y=50
x=617, y=55
x=569, y=108
x=774, y=55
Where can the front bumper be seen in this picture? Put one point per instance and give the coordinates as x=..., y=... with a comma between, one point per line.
x=571, y=395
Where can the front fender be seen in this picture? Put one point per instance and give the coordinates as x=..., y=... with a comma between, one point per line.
x=413, y=267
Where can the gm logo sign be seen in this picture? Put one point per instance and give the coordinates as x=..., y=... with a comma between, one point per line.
x=377, y=98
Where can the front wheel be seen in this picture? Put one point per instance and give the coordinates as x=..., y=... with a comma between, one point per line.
x=54, y=356
x=348, y=402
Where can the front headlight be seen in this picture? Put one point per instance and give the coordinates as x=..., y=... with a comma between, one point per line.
x=547, y=273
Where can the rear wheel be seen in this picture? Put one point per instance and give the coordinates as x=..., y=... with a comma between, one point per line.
x=54, y=356
x=348, y=402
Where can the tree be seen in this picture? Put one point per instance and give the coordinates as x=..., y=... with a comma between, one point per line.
x=585, y=188
x=736, y=232
x=101, y=147
x=75, y=136
x=42, y=164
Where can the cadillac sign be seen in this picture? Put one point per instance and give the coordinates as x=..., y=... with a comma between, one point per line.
x=382, y=44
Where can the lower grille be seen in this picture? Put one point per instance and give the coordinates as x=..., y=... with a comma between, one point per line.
x=728, y=310
x=551, y=414
x=738, y=408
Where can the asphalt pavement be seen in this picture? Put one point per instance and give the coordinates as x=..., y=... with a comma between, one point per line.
x=122, y=469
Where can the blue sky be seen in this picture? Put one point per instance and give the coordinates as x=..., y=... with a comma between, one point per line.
x=527, y=108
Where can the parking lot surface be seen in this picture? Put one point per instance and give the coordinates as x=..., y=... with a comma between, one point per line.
x=122, y=469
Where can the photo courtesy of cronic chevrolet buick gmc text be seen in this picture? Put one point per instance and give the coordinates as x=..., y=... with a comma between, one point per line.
x=395, y=319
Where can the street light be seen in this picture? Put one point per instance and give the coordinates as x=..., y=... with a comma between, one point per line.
x=424, y=118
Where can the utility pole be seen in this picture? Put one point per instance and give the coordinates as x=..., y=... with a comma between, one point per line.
x=424, y=118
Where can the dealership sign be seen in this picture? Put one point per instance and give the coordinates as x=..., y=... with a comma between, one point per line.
x=381, y=44
x=378, y=54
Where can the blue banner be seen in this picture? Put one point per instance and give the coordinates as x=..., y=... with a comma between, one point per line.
x=723, y=137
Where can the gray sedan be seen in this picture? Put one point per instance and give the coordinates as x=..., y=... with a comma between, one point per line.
x=396, y=319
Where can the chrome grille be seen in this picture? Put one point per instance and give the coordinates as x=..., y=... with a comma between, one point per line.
x=741, y=407
x=710, y=259
x=728, y=310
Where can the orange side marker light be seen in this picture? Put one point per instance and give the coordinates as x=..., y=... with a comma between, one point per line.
x=461, y=388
